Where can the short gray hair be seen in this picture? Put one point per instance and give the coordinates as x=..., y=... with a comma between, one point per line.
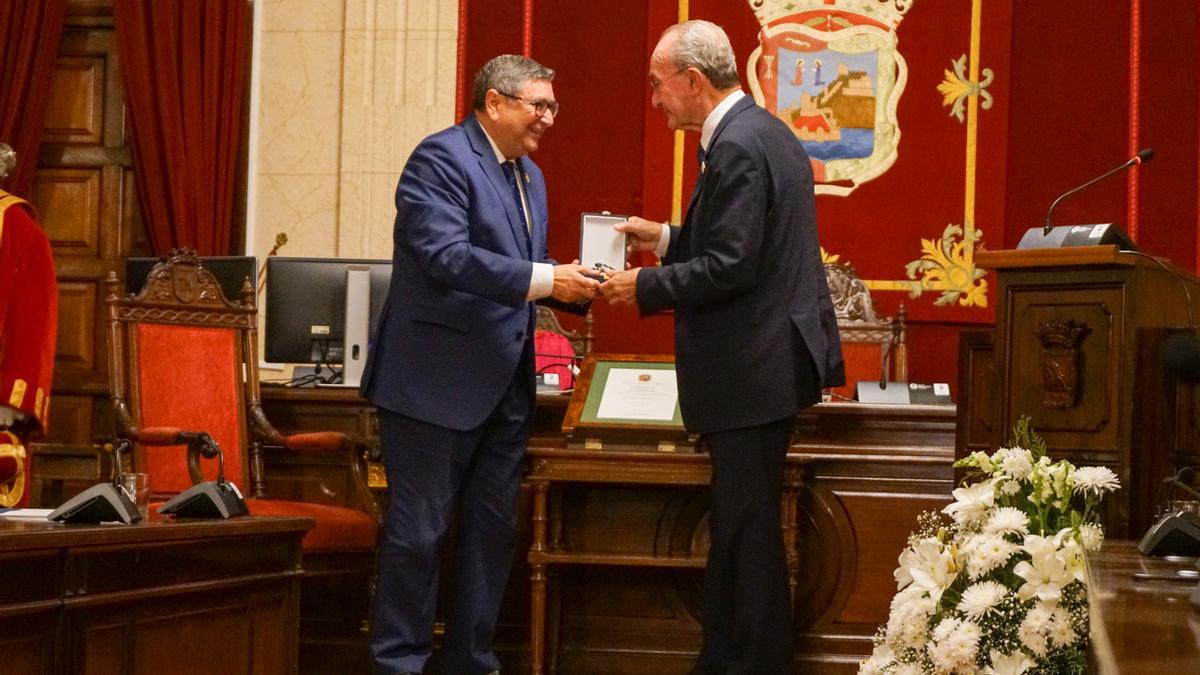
x=506, y=74
x=703, y=45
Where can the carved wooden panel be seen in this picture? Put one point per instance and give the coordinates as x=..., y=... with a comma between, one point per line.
x=70, y=420
x=1070, y=394
x=75, y=349
x=978, y=394
x=75, y=111
x=68, y=204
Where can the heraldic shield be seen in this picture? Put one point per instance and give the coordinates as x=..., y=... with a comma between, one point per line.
x=832, y=72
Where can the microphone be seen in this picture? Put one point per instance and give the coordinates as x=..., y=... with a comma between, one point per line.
x=886, y=359
x=1143, y=155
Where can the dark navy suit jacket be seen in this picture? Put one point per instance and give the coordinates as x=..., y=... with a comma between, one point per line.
x=456, y=320
x=745, y=277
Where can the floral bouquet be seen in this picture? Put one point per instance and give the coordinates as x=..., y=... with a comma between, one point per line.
x=1001, y=588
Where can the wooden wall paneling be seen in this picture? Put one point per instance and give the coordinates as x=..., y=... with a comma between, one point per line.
x=74, y=112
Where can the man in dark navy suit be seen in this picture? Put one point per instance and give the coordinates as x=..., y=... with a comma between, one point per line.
x=451, y=370
x=755, y=334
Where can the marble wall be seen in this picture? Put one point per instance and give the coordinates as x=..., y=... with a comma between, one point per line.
x=343, y=91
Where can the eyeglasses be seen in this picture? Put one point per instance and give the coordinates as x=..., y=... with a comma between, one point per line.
x=655, y=85
x=539, y=106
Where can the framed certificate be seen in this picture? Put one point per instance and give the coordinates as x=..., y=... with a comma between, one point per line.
x=626, y=401
x=599, y=242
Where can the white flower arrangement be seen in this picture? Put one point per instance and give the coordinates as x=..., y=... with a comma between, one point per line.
x=1001, y=589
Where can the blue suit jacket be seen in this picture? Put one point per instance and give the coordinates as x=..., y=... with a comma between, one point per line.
x=745, y=277
x=456, y=320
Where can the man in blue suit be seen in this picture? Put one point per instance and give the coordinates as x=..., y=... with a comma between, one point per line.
x=755, y=334
x=451, y=369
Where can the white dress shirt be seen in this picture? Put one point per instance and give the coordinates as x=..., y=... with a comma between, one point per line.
x=706, y=131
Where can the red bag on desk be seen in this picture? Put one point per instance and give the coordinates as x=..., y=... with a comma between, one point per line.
x=553, y=353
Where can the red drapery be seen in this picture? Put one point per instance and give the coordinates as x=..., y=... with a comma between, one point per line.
x=185, y=66
x=29, y=36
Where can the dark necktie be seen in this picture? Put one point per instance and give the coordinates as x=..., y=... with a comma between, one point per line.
x=511, y=173
x=700, y=154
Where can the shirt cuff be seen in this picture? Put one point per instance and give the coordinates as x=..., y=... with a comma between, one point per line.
x=541, y=281
x=664, y=241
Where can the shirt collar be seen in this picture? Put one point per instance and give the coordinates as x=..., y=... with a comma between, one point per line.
x=495, y=148
x=714, y=117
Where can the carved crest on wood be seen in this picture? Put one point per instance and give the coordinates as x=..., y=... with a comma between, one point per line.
x=1061, y=360
x=185, y=280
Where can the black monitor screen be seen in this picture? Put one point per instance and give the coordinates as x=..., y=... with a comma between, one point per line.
x=231, y=272
x=306, y=306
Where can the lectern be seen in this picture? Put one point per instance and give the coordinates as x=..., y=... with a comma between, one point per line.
x=1077, y=347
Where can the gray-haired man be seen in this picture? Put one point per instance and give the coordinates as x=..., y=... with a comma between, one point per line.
x=451, y=368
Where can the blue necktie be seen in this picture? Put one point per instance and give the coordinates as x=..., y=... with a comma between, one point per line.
x=510, y=172
x=700, y=153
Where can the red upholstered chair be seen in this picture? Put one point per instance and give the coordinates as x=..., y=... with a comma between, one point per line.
x=865, y=336
x=183, y=357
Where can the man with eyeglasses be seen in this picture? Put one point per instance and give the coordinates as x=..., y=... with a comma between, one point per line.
x=451, y=369
x=755, y=334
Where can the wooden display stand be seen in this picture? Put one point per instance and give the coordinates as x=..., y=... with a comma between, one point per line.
x=1077, y=348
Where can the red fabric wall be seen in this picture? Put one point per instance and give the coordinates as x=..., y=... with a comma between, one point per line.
x=1060, y=115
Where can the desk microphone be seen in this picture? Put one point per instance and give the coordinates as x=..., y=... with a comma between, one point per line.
x=1143, y=155
x=886, y=360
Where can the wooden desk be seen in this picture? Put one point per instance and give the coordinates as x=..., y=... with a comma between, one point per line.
x=1141, y=625
x=871, y=469
x=198, y=597
x=551, y=470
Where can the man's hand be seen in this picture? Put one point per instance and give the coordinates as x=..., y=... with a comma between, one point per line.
x=570, y=284
x=643, y=234
x=621, y=287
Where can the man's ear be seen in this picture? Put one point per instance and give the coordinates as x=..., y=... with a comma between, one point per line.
x=491, y=104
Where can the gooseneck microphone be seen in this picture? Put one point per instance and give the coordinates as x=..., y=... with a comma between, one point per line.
x=1143, y=155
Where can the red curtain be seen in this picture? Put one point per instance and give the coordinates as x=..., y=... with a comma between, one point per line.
x=185, y=66
x=29, y=36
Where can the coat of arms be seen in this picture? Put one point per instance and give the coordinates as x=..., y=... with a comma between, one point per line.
x=831, y=71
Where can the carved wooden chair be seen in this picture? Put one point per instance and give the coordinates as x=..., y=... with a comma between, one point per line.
x=865, y=335
x=182, y=357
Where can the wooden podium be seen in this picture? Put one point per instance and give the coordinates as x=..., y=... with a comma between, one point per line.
x=1077, y=347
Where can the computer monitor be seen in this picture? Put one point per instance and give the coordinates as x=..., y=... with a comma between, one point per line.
x=231, y=272
x=313, y=304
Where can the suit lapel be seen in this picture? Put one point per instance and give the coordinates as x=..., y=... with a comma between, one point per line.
x=743, y=104
x=491, y=169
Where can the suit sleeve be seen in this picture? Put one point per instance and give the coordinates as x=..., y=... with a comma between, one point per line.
x=435, y=205
x=729, y=233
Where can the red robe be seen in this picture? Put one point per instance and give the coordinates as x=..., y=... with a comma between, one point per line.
x=28, y=321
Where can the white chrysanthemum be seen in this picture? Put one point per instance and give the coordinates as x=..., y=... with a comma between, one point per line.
x=906, y=669
x=1032, y=639
x=906, y=627
x=1095, y=480
x=1092, y=537
x=1008, y=664
x=955, y=643
x=979, y=599
x=1016, y=463
x=1007, y=520
x=983, y=553
x=1010, y=487
x=1059, y=631
x=971, y=503
x=881, y=658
